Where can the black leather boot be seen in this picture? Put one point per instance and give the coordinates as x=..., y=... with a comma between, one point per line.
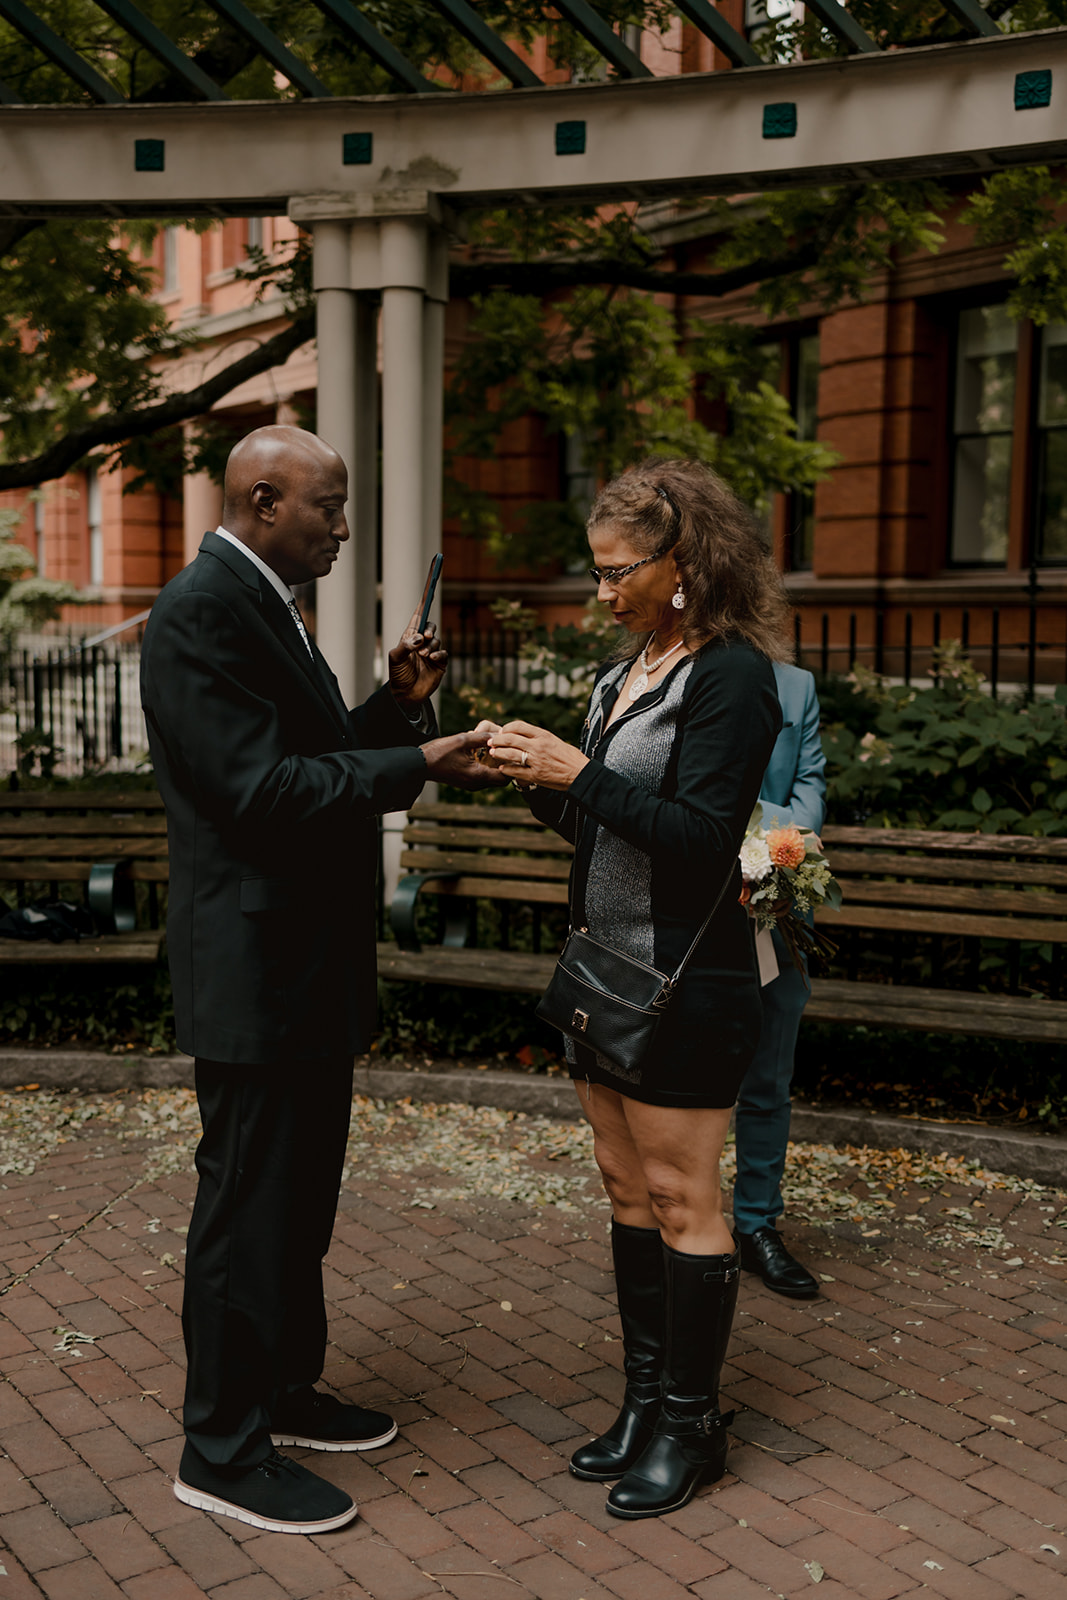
x=638, y=1257
x=689, y=1444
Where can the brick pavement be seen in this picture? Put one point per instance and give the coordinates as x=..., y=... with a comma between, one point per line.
x=903, y=1434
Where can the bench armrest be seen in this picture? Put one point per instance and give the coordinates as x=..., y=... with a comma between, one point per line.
x=111, y=897
x=402, y=908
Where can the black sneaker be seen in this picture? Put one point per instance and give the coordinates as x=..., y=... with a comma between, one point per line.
x=320, y=1422
x=278, y=1495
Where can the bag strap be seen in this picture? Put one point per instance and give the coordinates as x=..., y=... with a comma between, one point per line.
x=703, y=927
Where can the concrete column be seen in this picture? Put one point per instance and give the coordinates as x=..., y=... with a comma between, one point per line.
x=403, y=266
x=433, y=395
x=337, y=597
x=363, y=494
x=201, y=510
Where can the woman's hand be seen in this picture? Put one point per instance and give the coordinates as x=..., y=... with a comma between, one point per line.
x=532, y=755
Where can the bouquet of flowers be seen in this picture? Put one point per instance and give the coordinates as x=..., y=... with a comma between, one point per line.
x=785, y=874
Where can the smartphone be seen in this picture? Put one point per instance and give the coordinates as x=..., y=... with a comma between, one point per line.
x=428, y=593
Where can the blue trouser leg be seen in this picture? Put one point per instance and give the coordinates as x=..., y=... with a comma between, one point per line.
x=763, y=1107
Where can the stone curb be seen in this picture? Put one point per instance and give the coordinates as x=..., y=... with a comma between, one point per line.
x=1027, y=1154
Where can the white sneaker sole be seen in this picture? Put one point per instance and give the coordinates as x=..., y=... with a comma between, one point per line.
x=305, y=1442
x=226, y=1508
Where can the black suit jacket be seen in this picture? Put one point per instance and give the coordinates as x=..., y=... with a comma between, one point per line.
x=271, y=788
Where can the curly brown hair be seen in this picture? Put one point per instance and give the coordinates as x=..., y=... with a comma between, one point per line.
x=732, y=587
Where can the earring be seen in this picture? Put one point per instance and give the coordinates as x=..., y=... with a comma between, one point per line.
x=678, y=599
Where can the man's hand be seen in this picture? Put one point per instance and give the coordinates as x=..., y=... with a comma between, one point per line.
x=532, y=755
x=417, y=664
x=454, y=760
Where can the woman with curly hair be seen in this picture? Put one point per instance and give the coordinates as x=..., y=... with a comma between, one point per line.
x=680, y=727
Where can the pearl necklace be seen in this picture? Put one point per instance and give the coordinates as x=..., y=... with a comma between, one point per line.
x=640, y=683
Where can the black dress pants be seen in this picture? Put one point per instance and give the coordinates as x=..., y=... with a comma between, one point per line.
x=270, y=1163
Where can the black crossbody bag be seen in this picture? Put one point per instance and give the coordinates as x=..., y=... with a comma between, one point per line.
x=612, y=1002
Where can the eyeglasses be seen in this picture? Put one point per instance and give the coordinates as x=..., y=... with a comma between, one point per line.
x=614, y=575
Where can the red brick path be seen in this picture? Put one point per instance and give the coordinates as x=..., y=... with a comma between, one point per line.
x=904, y=1434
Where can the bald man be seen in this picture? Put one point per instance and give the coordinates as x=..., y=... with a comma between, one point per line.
x=272, y=787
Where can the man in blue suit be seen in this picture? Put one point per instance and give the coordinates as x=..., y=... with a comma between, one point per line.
x=793, y=791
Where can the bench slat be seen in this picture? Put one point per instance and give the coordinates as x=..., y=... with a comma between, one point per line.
x=891, y=919
x=30, y=871
x=946, y=897
x=139, y=947
x=467, y=969
x=494, y=866
x=421, y=833
x=991, y=844
x=94, y=849
x=81, y=800
x=480, y=815
x=501, y=889
x=844, y=863
x=937, y=1010
x=154, y=826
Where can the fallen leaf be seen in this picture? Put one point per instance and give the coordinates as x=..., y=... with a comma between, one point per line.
x=505, y=1305
x=934, y=1566
x=817, y=1573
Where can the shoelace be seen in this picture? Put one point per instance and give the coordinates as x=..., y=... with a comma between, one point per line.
x=275, y=1464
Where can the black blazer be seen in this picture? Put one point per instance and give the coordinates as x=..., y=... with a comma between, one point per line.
x=271, y=788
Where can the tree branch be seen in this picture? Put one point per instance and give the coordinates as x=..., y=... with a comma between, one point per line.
x=544, y=277
x=547, y=275
x=116, y=427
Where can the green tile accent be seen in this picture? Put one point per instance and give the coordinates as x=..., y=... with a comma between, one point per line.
x=148, y=155
x=780, y=120
x=1033, y=90
x=570, y=138
x=358, y=149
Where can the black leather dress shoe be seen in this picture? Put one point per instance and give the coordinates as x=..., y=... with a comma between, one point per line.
x=764, y=1253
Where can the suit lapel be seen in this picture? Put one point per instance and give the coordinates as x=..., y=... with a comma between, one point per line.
x=280, y=622
x=313, y=666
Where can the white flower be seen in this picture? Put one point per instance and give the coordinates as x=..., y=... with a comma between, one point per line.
x=756, y=863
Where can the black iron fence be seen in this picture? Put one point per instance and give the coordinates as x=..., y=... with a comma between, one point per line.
x=79, y=709
x=72, y=710
x=1008, y=648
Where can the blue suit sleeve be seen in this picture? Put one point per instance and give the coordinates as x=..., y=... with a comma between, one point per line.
x=806, y=804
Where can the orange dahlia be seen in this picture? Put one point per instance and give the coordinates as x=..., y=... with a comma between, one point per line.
x=786, y=847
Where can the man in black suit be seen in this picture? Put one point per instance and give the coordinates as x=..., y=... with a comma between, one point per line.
x=272, y=787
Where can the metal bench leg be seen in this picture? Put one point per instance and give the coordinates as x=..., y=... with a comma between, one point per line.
x=111, y=897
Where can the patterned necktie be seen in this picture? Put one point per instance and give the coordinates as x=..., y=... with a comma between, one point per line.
x=298, y=619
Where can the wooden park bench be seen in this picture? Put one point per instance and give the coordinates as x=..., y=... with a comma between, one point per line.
x=955, y=899
x=952, y=898
x=98, y=845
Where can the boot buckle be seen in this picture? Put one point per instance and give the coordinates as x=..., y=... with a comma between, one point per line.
x=712, y=1421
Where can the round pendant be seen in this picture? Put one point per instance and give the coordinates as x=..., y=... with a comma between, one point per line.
x=638, y=687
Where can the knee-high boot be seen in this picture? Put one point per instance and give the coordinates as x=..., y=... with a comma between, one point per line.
x=638, y=1258
x=689, y=1444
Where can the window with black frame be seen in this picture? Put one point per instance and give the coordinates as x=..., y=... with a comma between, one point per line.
x=983, y=423
x=1050, y=500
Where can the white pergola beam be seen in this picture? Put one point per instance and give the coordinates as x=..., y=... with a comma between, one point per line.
x=935, y=110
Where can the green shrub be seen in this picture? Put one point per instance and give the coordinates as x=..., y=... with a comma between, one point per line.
x=949, y=756
x=931, y=1074
x=416, y=1019
x=99, y=1007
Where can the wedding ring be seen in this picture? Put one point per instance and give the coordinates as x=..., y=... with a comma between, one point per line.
x=525, y=758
